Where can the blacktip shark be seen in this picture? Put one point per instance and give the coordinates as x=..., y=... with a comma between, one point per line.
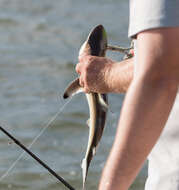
x=96, y=45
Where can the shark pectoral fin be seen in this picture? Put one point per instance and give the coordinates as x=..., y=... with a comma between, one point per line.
x=104, y=104
x=72, y=89
x=88, y=122
x=94, y=151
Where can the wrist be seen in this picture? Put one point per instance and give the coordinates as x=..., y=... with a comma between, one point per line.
x=109, y=76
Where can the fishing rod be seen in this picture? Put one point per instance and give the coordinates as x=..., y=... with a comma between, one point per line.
x=37, y=159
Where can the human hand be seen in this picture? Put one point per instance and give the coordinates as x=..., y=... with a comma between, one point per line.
x=94, y=73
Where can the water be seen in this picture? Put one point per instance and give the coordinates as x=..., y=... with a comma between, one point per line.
x=39, y=44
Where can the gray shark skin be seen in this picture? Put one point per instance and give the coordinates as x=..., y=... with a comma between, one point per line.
x=96, y=45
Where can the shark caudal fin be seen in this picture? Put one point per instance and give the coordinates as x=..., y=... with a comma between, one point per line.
x=85, y=164
x=84, y=171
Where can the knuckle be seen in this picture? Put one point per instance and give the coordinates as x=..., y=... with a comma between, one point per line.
x=89, y=64
x=83, y=58
x=80, y=58
x=86, y=89
x=77, y=68
x=87, y=81
x=87, y=68
x=90, y=59
x=85, y=75
x=85, y=64
x=81, y=81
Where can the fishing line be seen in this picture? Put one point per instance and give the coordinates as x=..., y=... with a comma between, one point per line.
x=37, y=159
x=113, y=48
x=35, y=139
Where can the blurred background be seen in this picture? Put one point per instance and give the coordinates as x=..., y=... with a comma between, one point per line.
x=39, y=44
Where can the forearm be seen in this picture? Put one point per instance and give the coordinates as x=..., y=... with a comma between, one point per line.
x=146, y=107
x=145, y=111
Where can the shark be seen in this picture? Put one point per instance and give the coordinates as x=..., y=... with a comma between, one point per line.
x=95, y=45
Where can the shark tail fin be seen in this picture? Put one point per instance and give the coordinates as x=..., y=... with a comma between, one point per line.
x=84, y=171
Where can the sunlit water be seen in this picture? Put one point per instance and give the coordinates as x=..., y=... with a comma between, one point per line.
x=39, y=43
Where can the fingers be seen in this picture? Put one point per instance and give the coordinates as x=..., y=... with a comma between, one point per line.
x=84, y=84
x=81, y=81
x=78, y=68
x=81, y=69
x=81, y=66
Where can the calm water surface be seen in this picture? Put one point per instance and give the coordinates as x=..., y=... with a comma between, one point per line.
x=39, y=44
